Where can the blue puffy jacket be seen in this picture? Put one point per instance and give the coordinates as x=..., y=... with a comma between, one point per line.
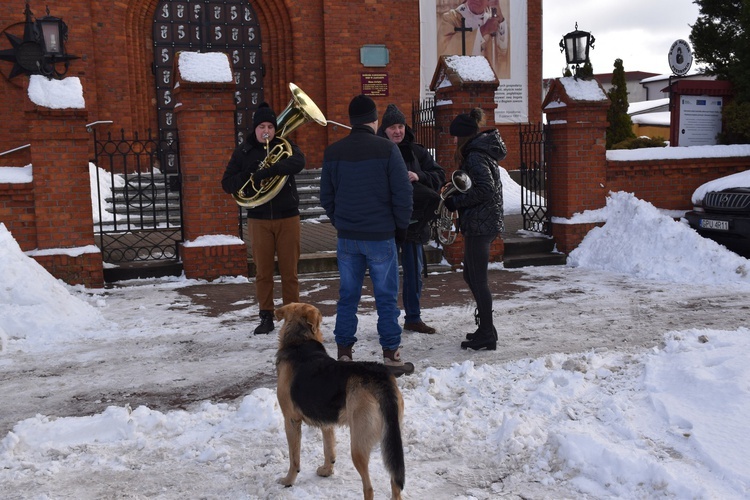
x=364, y=186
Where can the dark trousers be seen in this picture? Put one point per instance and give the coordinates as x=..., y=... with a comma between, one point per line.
x=476, y=261
x=413, y=263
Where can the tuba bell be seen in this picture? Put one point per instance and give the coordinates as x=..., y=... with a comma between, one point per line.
x=444, y=224
x=300, y=110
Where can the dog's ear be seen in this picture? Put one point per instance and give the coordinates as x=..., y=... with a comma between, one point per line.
x=280, y=313
x=314, y=319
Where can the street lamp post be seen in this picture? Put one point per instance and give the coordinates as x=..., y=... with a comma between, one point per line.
x=576, y=45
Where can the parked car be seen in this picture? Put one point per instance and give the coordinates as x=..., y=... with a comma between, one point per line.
x=721, y=211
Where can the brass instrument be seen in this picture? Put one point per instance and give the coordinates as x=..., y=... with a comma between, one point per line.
x=444, y=225
x=301, y=109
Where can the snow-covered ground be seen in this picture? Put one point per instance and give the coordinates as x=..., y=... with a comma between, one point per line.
x=625, y=374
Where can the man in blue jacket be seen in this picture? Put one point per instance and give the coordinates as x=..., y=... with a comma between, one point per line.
x=366, y=193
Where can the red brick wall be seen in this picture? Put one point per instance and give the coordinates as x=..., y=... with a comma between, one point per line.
x=85, y=269
x=211, y=262
x=669, y=184
x=580, y=177
x=62, y=192
x=17, y=213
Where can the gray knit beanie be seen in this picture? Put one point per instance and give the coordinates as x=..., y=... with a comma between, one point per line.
x=392, y=116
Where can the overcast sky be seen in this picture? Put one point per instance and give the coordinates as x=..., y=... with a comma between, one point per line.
x=640, y=32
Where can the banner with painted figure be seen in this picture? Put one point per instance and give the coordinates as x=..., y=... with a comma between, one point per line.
x=495, y=29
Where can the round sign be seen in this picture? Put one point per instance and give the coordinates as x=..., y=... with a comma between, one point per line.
x=680, y=57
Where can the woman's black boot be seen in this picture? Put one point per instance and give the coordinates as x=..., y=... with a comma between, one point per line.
x=481, y=340
x=470, y=336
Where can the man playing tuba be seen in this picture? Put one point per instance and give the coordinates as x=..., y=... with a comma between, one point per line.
x=273, y=222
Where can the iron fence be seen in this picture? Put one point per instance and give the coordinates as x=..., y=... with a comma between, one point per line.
x=137, y=205
x=423, y=124
x=534, y=141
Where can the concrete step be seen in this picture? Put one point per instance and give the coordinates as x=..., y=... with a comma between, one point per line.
x=519, y=245
x=522, y=251
x=534, y=259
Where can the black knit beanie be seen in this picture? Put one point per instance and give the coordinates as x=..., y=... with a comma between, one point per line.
x=264, y=113
x=392, y=116
x=362, y=109
x=463, y=126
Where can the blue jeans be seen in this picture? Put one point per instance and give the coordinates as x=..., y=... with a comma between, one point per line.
x=381, y=258
x=412, y=261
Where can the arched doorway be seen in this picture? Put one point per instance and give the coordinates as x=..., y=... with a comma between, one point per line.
x=229, y=26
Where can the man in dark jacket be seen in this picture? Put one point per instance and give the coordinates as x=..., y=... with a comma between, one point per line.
x=427, y=177
x=274, y=226
x=366, y=193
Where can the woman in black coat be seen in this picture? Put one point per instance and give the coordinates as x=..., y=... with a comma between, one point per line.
x=480, y=215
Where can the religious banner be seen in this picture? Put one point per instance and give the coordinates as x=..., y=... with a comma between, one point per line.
x=495, y=29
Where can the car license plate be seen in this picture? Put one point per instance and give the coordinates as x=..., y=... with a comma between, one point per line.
x=717, y=225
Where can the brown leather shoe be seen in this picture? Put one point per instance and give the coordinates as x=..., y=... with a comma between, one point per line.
x=397, y=367
x=344, y=353
x=419, y=327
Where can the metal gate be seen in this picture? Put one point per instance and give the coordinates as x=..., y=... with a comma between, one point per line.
x=423, y=124
x=534, y=143
x=136, y=198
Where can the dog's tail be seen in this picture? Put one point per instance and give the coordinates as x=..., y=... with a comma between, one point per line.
x=392, y=446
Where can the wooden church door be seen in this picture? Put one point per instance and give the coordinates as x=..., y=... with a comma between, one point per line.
x=228, y=26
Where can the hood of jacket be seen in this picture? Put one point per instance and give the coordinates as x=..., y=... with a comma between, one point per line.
x=488, y=142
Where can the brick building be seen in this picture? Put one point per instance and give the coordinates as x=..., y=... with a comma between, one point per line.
x=126, y=47
x=126, y=53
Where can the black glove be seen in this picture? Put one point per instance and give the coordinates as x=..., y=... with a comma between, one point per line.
x=449, y=204
x=261, y=174
x=400, y=235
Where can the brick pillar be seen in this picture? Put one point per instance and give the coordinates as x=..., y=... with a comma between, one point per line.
x=455, y=94
x=205, y=117
x=62, y=196
x=577, y=116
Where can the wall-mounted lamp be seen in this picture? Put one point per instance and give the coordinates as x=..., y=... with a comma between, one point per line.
x=42, y=47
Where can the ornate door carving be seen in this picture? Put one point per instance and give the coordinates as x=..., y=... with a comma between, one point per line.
x=228, y=26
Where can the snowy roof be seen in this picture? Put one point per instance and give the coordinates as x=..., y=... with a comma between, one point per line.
x=657, y=118
x=641, y=106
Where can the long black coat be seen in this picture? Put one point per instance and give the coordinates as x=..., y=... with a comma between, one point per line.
x=431, y=175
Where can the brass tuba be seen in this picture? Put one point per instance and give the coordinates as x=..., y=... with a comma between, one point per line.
x=301, y=109
x=444, y=225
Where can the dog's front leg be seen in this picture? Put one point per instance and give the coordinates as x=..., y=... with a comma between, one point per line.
x=329, y=451
x=293, y=430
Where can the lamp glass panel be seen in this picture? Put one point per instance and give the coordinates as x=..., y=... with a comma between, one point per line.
x=51, y=33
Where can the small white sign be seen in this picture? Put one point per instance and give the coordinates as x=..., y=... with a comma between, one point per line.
x=700, y=120
x=680, y=57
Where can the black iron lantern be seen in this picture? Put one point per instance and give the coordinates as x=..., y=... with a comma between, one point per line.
x=54, y=33
x=576, y=45
x=42, y=47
